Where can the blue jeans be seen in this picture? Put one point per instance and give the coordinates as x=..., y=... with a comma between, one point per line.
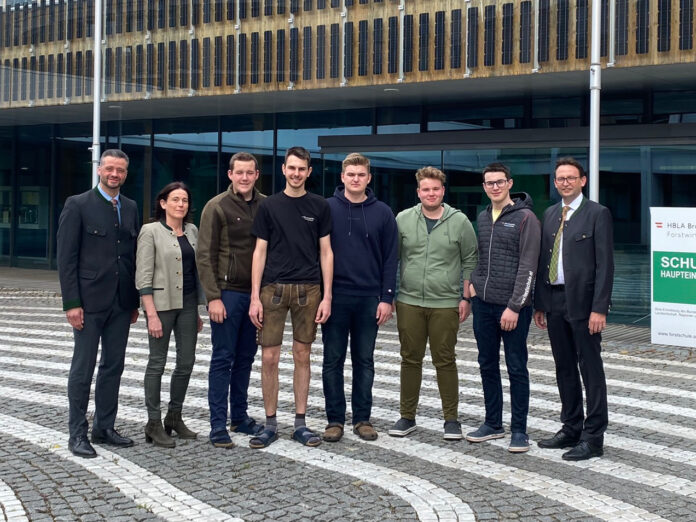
x=356, y=316
x=488, y=335
x=234, y=348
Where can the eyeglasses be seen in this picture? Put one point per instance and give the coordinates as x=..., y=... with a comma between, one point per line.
x=500, y=183
x=567, y=179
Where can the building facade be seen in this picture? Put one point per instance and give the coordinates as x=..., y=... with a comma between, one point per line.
x=451, y=83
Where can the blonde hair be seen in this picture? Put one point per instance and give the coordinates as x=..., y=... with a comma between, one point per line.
x=430, y=173
x=355, y=159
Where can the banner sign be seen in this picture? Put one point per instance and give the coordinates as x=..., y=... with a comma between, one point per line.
x=673, y=275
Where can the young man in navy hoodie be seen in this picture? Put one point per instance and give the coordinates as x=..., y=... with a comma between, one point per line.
x=364, y=242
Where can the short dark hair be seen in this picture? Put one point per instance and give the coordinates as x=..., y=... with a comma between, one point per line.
x=114, y=153
x=164, y=196
x=496, y=167
x=299, y=152
x=243, y=156
x=569, y=160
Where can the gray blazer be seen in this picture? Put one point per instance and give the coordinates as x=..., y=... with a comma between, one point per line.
x=158, y=265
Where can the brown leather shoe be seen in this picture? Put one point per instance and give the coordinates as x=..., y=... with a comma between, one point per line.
x=365, y=431
x=333, y=432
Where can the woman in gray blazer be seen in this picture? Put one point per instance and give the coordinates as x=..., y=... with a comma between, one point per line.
x=167, y=279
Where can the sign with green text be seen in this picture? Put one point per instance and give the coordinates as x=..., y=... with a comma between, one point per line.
x=673, y=274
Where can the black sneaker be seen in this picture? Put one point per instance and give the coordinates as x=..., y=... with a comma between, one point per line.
x=402, y=427
x=453, y=430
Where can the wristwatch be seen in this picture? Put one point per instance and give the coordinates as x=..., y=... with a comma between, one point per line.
x=467, y=299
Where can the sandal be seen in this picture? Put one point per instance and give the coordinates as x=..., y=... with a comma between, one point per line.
x=307, y=437
x=333, y=432
x=365, y=431
x=263, y=439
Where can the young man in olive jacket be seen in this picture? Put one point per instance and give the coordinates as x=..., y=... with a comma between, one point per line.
x=437, y=249
x=225, y=247
x=502, y=284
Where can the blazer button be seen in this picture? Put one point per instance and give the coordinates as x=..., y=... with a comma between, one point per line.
x=94, y=232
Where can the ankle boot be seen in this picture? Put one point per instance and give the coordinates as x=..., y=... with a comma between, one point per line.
x=173, y=422
x=154, y=434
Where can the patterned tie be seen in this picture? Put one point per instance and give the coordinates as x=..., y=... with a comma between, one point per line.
x=553, y=267
x=114, y=202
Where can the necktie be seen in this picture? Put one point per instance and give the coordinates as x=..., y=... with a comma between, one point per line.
x=555, y=253
x=114, y=202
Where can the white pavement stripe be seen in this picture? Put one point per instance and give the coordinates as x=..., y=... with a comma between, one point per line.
x=429, y=501
x=670, y=483
x=136, y=483
x=576, y=497
x=10, y=506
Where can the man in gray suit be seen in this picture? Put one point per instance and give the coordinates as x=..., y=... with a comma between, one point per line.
x=97, y=233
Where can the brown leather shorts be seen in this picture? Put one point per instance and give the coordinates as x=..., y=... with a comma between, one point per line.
x=302, y=301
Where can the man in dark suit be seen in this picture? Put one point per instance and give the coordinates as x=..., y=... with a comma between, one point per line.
x=573, y=294
x=97, y=233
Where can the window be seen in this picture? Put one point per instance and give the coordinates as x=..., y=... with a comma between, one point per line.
x=294, y=7
x=603, y=30
x=183, y=64
x=61, y=20
x=362, y=47
x=88, y=73
x=119, y=16
x=393, y=45
x=42, y=77
x=195, y=14
x=335, y=3
x=439, y=40
x=456, y=39
x=32, y=78
x=70, y=28
x=79, y=31
x=172, y=13
x=229, y=60
x=321, y=52
x=562, y=30
x=195, y=63
x=138, y=68
x=321, y=4
x=160, y=66
x=129, y=16
x=686, y=23
x=60, y=75
x=51, y=23
x=472, y=37
x=642, y=27
x=307, y=53
x=42, y=24
x=333, y=54
x=348, y=57
x=254, y=57
x=218, y=61
x=207, y=12
x=280, y=52
x=242, y=59
x=68, y=74
x=230, y=11
x=581, y=29
x=267, y=56
x=525, y=32
x=664, y=12
x=108, y=69
x=171, y=64
x=206, y=61
x=23, y=82
x=268, y=7
x=150, y=15
x=544, y=24
x=621, y=27
x=377, y=45
x=307, y=5
x=218, y=10
x=242, y=9
x=489, y=35
x=7, y=83
x=118, y=68
x=423, y=37
x=139, y=15
x=281, y=7
x=255, y=8
x=408, y=43
x=294, y=59
x=25, y=36
x=183, y=14
x=50, y=76
x=160, y=14
x=506, y=58
x=35, y=29
x=16, y=30
x=150, y=67
x=129, y=69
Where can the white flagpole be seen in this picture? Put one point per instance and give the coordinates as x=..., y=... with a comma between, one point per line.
x=96, y=90
x=595, y=88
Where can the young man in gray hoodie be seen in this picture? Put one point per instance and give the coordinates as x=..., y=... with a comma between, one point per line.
x=502, y=285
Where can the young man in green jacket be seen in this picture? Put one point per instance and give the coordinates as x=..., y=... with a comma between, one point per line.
x=437, y=250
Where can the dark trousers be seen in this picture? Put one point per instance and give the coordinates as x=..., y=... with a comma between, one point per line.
x=573, y=347
x=356, y=316
x=234, y=348
x=112, y=327
x=488, y=335
x=184, y=323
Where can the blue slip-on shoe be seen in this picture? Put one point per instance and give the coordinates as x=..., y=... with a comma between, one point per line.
x=485, y=432
x=263, y=439
x=453, y=430
x=248, y=426
x=402, y=427
x=519, y=443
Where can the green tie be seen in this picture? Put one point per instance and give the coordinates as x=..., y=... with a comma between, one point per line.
x=553, y=267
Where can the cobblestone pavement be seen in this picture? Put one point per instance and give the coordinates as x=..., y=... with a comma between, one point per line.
x=648, y=471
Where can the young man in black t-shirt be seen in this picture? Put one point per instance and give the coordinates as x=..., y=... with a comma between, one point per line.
x=292, y=257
